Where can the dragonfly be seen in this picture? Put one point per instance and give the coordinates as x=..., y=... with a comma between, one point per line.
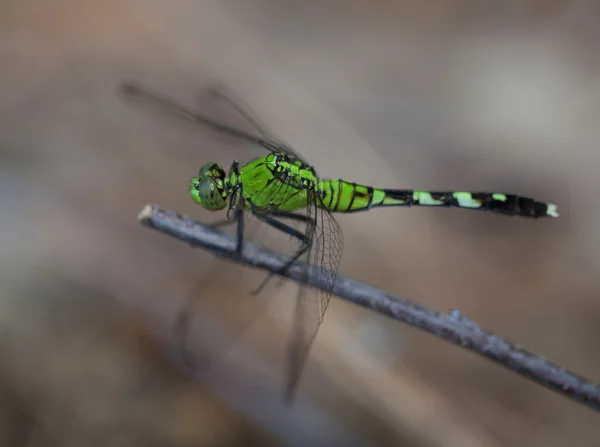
x=281, y=187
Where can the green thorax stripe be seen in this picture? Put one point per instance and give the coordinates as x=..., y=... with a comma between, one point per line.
x=276, y=181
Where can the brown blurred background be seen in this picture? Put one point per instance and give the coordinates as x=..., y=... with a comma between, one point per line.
x=450, y=94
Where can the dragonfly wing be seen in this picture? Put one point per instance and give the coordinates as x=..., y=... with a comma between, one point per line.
x=323, y=261
x=144, y=98
x=151, y=101
x=218, y=311
x=221, y=96
x=258, y=134
x=271, y=142
x=223, y=295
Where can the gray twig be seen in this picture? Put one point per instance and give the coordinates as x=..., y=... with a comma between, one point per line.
x=453, y=326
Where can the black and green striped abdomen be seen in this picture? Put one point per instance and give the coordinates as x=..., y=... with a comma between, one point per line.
x=345, y=197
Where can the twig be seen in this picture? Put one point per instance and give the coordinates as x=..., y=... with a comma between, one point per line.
x=452, y=327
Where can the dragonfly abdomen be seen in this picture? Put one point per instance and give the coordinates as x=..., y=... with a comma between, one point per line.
x=347, y=197
x=496, y=202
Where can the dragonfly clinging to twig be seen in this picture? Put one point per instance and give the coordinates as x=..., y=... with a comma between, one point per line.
x=281, y=187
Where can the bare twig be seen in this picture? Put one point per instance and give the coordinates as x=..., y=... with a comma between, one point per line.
x=452, y=327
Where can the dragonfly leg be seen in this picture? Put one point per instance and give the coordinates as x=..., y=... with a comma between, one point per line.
x=293, y=216
x=288, y=230
x=218, y=224
x=282, y=227
x=236, y=204
x=305, y=246
x=239, y=217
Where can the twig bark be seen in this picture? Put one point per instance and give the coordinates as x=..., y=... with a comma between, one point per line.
x=452, y=327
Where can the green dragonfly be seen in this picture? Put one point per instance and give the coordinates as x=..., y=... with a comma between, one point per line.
x=281, y=187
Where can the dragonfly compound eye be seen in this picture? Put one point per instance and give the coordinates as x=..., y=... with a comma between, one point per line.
x=209, y=194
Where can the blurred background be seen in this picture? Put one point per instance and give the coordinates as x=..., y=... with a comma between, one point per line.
x=449, y=94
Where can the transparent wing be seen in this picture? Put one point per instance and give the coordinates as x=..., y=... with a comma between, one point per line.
x=213, y=294
x=216, y=312
x=150, y=100
x=235, y=102
x=220, y=309
x=323, y=259
x=145, y=98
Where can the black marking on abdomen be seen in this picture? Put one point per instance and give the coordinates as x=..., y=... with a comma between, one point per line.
x=371, y=193
x=339, y=197
x=516, y=205
x=330, y=196
x=353, y=195
x=447, y=198
x=405, y=195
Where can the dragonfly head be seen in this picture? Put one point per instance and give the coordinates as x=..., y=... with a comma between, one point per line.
x=208, y=189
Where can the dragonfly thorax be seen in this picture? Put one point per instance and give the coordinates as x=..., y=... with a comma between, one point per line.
x=209, y=189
